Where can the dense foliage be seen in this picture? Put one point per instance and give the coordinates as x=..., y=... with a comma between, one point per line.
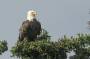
x=3, y=47
x=43, y=48
x=82, y=46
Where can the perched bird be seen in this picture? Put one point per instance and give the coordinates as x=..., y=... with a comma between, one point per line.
x=30, y=28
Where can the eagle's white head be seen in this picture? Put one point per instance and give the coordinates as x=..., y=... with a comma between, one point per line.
x=31, y=14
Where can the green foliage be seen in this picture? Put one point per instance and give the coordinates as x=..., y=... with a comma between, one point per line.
x=82, y=46
x=37, y=48
x=45, y=49
x=3, y=47
x=44, y=35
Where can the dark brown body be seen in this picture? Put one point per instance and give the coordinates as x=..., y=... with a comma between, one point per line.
x=29, y=30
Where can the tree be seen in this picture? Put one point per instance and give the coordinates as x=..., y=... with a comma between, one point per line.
x=81, y=45
x=43, y=48
x=3, y=47
x=30, y=49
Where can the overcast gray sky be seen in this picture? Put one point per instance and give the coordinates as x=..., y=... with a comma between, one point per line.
x=58, y=17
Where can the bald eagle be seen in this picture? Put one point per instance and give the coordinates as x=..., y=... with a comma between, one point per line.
x=30, y=28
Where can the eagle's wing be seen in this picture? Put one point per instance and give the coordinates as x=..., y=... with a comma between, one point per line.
x=24, y=29
x=36, y=27
x=25, y=25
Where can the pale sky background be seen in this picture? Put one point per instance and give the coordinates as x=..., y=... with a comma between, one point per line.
x=58, y=17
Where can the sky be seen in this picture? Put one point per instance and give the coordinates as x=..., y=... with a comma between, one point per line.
x=58, y=17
